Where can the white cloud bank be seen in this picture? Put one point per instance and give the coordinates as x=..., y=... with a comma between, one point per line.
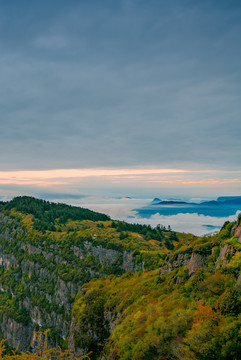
x=189, y=223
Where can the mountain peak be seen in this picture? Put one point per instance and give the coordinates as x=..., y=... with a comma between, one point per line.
x=155, y=200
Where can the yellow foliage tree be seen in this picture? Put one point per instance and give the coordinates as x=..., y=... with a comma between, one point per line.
x=42, y=352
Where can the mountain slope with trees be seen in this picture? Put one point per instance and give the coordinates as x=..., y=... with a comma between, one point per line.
x=189, y=308
x=48, y=251
x=116, y=291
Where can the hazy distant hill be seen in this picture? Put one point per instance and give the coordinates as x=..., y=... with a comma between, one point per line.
x=222, y=207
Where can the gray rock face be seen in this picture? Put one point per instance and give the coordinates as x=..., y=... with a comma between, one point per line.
x=104, y=256
x=166, y=269
x=16, y=334
x=195, y=263
x=74, y=328
x=108, y=256
x=181, y=260
x=128, y=263
x=237, y=233
x=7, y=260
x=30, y=267
x=225, y=254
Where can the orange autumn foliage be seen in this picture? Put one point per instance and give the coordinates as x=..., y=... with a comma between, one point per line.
x=203, y=313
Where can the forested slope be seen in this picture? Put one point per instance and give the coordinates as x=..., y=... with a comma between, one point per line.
x=48, y=251
x=189, y=308
x=117, y=290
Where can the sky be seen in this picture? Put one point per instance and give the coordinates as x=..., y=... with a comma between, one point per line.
x=120, y=98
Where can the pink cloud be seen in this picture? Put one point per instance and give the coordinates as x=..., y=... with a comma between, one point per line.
x=97, y=176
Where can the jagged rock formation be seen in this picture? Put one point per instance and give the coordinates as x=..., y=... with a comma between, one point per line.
x=236, y=231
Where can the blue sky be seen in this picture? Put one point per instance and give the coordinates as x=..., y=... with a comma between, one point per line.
x=121, y=84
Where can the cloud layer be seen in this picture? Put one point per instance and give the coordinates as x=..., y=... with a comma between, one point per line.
x=121, y=209
x=120, y=84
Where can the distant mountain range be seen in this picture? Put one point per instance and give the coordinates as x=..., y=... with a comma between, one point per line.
x=221, y=207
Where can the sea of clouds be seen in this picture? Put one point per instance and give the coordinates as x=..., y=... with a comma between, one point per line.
x=122, y=209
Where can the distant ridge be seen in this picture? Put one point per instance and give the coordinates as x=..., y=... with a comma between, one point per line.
x=173, y=202
x=226, y=198
x=156, y=200
x=220, y=200
x=221, y=207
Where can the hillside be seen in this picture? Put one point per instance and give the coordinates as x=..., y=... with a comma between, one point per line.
x=117, y=290
x=48, y=251
x=187, y=309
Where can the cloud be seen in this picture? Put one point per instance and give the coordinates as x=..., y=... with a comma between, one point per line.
x=122, y=209
x=122, y=177
x=189, y=223
x=128, y=84
x=50, y=42
x=56, y=196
